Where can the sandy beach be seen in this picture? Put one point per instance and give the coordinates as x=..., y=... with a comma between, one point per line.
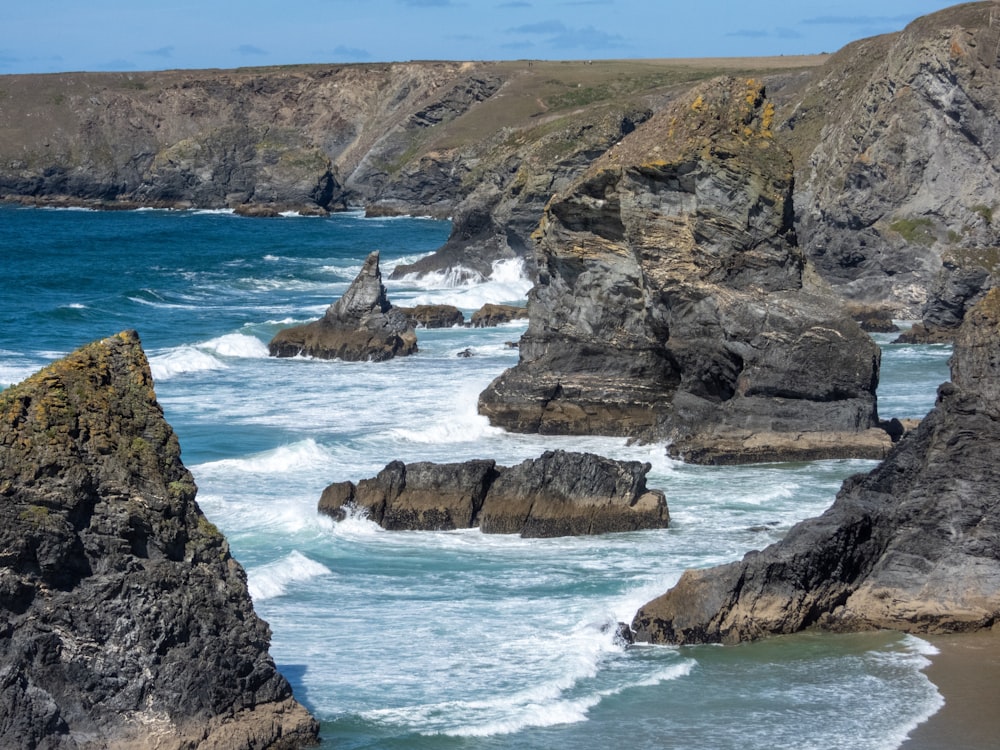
x=967, y=673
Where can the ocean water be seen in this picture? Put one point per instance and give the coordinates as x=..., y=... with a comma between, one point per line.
x=452, y=640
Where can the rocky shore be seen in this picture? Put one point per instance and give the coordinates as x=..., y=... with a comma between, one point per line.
x=910, y=546
x=124, y=620
x=558, y=494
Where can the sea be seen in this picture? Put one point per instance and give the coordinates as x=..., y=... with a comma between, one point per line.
x=443, y=640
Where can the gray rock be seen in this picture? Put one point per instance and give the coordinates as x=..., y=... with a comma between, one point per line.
x=914, y=545
x=361, y=325
x=124, y=620
x=673, y=302
x=558, y=494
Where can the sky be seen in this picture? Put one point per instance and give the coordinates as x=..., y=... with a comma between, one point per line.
x=50, y=36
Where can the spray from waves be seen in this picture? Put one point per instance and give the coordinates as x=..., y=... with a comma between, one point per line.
x=206, y=356
x=466, y=289
x=303, y=455
x=272, y=580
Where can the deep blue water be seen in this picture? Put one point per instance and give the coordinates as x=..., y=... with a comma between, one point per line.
x=440, y=640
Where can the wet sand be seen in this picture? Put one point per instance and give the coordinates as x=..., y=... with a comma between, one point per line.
x=967, y=673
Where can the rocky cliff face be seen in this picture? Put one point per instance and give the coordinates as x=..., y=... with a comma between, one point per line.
x=361, y=325
x=558, y=494
x=673, y=300
x=124, y=621
x=896, y=140
x=911, y=546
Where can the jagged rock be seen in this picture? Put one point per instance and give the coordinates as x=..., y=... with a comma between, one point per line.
x=490, y=315
x=914, y=545
x=897, y=142
x=361, y=325
x=558, y=494
x=124, y=621
x=673, y=302
x=434, y=316
x=965, y=277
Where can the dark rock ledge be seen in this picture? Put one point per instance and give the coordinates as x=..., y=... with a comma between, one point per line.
x=124, y=621
x=361, y=325
x=558, y=494
x=912, y=546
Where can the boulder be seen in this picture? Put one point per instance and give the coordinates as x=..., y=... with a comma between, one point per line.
x=434, y=316
x=558, y=494
x=124, y=620
x=361, y=325
x=490, y=315
x=673, y=302
x=914, y=545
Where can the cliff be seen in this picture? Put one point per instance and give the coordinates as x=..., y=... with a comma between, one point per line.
x=911, y=546
x=673, y=301
x=125, y=621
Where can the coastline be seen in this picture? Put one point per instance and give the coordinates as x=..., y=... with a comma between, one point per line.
x=966, y=671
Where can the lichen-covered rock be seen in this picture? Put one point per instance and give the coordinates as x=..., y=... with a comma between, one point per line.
x=912, y=546
x=124, y=621
x=558, y=494
x=361, y=325
x=673, y=301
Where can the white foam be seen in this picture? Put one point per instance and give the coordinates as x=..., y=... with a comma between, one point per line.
x=182, y=360
x=237, y=345
x=467, y=289
x=271, y=580
x=305, y=454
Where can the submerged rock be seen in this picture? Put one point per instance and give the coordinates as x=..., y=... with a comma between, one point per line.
x=914, y=545
x=361, y=325
x=124, y=620
x=673, y=302
x=558, y=494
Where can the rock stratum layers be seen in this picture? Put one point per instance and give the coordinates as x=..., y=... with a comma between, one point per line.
x=361, y=325
x=124, y=621
x=914, y=545
x=673, y=301
x=558, y=494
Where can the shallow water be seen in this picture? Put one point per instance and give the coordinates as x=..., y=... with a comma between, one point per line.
x=451, y=639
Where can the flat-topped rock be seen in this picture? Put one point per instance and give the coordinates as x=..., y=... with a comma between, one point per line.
x=361, y=325
x=911, y=546
x=558, y=494
x=490, y=315
x=124, y=620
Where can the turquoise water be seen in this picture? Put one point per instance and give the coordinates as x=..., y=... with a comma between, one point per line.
x=441, y=640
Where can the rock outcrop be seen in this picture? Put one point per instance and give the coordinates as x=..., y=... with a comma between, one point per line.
x=673, y=302
x=490, y=315
x=361, y=325
x=124, y=621
x=914, y=545
x=558, y=494
x=434, y=316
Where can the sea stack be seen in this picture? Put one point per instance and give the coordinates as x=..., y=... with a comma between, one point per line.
x=361, y=325
x=674, y=303
x=124, y=620
x=912, y=546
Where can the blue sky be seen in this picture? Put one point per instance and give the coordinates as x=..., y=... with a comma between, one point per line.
x=48, y=36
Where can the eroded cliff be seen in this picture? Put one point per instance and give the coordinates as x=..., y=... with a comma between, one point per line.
x=673, y=301
x=912, y=546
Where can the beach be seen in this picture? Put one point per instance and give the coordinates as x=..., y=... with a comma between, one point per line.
x=967, y=673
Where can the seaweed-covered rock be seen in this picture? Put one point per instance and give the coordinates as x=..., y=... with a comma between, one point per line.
x=124, y=621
